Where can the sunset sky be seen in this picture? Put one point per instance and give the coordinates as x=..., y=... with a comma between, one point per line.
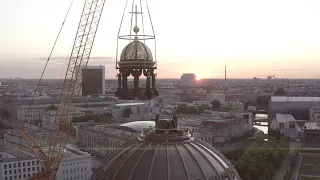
x=253, y=38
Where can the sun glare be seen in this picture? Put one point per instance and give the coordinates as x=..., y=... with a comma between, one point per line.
x=198, y=77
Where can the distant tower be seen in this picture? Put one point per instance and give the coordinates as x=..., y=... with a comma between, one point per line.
x=136, y=58
x=225, y=72
x=225, y=80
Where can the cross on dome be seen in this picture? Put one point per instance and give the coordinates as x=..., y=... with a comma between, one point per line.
x=136, y=28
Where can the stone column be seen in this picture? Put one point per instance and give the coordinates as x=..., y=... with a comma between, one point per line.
x=136, y=73
x=125, y=73
x=119, y=80
x=146, y=72
x=153, y=79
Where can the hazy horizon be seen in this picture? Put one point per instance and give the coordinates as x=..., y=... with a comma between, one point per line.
x=253, y=38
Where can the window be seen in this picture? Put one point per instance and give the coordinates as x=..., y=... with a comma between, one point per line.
x=5, y=166
x=292, y=124
x=281, y=125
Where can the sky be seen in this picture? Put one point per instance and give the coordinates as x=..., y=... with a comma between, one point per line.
x=252, y=38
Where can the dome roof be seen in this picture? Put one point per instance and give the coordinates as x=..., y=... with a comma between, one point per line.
x=136, y=54
x=166, y=153
x=138, y=126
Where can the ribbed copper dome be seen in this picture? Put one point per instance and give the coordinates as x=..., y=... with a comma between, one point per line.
x=136, y=54
x=167, y=153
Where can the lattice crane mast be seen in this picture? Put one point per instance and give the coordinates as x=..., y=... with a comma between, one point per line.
x=79, y=58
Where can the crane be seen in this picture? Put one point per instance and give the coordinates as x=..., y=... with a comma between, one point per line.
x=79, y=58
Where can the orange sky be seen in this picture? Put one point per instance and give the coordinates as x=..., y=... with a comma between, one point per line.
x=253, y=38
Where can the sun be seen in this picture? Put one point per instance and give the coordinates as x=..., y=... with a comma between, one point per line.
x=198, y=77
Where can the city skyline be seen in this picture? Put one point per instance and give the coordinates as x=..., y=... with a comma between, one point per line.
x=252, y=38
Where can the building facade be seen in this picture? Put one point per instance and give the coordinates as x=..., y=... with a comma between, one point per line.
x=298, y=107
x=140, y=108
x=287, y=125
x=101, y=140
x=74, y=165
x=312, y=134
x=93, y=80
x=34, y=113
x=11, y=169
x=315, y=114
x=214, y=128
x=48, y=117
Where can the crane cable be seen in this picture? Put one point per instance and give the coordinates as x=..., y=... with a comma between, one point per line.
x=38, y=84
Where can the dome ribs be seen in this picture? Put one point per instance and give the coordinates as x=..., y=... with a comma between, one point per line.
x=152, y=162
x=138, y=161
x=114, y=157
x=218, y=155
x=128, y=156
x=159, y=170
x=217, y=159
x=195, y=160
x=206, y=159
x=182, y=162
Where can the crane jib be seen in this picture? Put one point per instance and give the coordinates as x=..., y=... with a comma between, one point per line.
x=87, y=28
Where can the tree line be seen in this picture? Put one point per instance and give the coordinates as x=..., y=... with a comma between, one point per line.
x=185, y=109
x=95, y=118
x=262, y=158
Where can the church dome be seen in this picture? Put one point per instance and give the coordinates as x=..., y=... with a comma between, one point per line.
x=166, y=153
x=136, y=55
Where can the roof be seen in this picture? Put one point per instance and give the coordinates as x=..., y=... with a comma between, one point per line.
x=294, y=99
x=130, y=104
x=16, y=153
x=311, y=126
x=137, y=126
x=284, y=118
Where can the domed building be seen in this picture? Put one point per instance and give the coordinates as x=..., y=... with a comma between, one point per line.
x=166, y=153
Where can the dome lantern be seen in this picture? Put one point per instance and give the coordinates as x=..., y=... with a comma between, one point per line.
x=136, y=58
